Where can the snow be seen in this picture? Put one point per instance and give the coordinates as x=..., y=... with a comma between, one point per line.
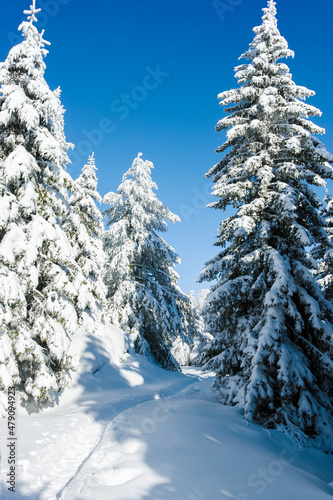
x=129, y=430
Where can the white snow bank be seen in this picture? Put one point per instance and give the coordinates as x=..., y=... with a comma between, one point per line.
x=133, y=431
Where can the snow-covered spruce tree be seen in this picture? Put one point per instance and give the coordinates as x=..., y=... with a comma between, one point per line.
x=142, y=292
x=324, y=255
x=37, y=268
x=86, y=236
x=272, y=326
x=197, y=321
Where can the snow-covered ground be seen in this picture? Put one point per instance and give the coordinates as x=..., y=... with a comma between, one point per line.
x=132, y=431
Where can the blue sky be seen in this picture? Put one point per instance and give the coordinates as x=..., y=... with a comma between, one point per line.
x=143, y=75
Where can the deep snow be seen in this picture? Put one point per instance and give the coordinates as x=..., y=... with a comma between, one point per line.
x=133, y=431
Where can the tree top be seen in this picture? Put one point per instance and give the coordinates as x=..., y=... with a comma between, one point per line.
x=30, y=31
x=32, y=12
x=91, y=159
x=270, y=12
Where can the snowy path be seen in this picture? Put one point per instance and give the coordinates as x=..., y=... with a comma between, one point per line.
x=179, y=446
x=104, y=464
x=133, y=431
x=56, y=446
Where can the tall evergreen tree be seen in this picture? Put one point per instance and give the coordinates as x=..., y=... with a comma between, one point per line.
x=86, y=237
x=37, y=268
x=143, y=296
x=272, y=326
x=197, y=320
x=324, y=255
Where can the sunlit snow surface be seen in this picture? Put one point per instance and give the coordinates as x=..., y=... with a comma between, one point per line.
x=132, y=431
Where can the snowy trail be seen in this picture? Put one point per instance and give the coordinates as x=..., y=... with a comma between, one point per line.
x=56, y=446
x=173, y=444
x=114, y=412
x=132, y=431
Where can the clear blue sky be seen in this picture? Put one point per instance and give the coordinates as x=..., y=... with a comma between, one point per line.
x=100, y=53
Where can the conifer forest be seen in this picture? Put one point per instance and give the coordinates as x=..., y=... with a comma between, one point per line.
x=116, y=381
